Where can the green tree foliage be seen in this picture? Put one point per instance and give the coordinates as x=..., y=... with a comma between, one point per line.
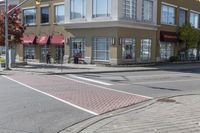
x=189, y=36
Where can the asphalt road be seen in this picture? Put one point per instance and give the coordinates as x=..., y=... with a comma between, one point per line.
x=32, y=103
x=27, y=111
x=150, y=83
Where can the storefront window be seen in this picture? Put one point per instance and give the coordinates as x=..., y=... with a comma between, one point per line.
x=128, y=48
x=44, y=51
x=59, y=54
x=29, y=52
x=145, y=53
x=192, y=53
x=78, y=47
x=166, y=50
x=101, y=47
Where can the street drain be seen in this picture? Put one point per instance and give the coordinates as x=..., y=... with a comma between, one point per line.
x=167, y=100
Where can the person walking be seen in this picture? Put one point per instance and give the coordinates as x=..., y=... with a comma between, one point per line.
x=48, y=57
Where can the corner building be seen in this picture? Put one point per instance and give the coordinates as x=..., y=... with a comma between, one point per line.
x=105, y=31
x=112, y=31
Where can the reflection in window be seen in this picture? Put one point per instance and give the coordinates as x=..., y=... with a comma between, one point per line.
x=29, y=52
x=29, y=16
x=77, y=47
x=167, y=15
x=145, y=53
x=128, y=48
x=78, y=9
x=101, y=47
x=166, y=50
x=44, y=15
x=59, y=13
x=194, y=19
x=182, y=17
x=101, y=8
x=130, y=9
x=147, y=11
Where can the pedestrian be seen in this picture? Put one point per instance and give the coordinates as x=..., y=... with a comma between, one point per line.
x=48, y=57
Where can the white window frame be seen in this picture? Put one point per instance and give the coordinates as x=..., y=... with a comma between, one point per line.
x=166, y=48
x=82, y=49
x=83, y=15
x=149, y=50
x=174, y=18
x=143, y=12
x=29, y=8
x=55, y=21
x=198, y=20
x=108, y=14
x=106, y=52
x=130, y=9
x=123, y=42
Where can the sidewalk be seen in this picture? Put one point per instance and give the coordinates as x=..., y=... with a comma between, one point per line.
x=89, y=68
x=180, y=114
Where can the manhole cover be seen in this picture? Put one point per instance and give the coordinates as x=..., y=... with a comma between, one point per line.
x=168, y=100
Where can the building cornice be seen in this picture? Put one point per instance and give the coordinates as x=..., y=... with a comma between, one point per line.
x=110, y=24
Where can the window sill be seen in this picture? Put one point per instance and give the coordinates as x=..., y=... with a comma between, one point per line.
x=59, y=23
x=43, y=24
x=30, y=25
x=169, y=24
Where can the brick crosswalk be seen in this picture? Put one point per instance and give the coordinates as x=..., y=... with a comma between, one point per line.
x=93, y=98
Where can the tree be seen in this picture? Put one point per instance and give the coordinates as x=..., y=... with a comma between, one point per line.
x=15, y=27
x=189, y=36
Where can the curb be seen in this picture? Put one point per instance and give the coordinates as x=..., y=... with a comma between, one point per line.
x=78, y=127
x=83, y=72
x=105, y=71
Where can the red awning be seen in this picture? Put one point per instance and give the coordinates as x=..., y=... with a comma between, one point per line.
x=28, y=39
x=43, y=39
x=168, y=36
x=57, y=40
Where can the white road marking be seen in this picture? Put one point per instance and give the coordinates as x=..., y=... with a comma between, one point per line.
x=133, y=94
x=160, y=75
x=168, y=81
x=91, y=80
x=71, y=104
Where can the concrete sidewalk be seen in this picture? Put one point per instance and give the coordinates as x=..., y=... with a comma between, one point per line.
x=85, y=68
x=179, y=114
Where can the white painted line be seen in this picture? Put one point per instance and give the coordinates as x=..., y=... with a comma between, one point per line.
x=91, y=80
x=71, y=104
x=160, y=75
x=168, y=81
x=105, y=87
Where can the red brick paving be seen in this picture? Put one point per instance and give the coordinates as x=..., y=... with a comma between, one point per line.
x=93, y=98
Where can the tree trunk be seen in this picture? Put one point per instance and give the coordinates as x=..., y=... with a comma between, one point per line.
x=186, y=50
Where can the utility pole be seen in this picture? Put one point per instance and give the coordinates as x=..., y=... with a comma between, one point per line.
x=6, y=35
